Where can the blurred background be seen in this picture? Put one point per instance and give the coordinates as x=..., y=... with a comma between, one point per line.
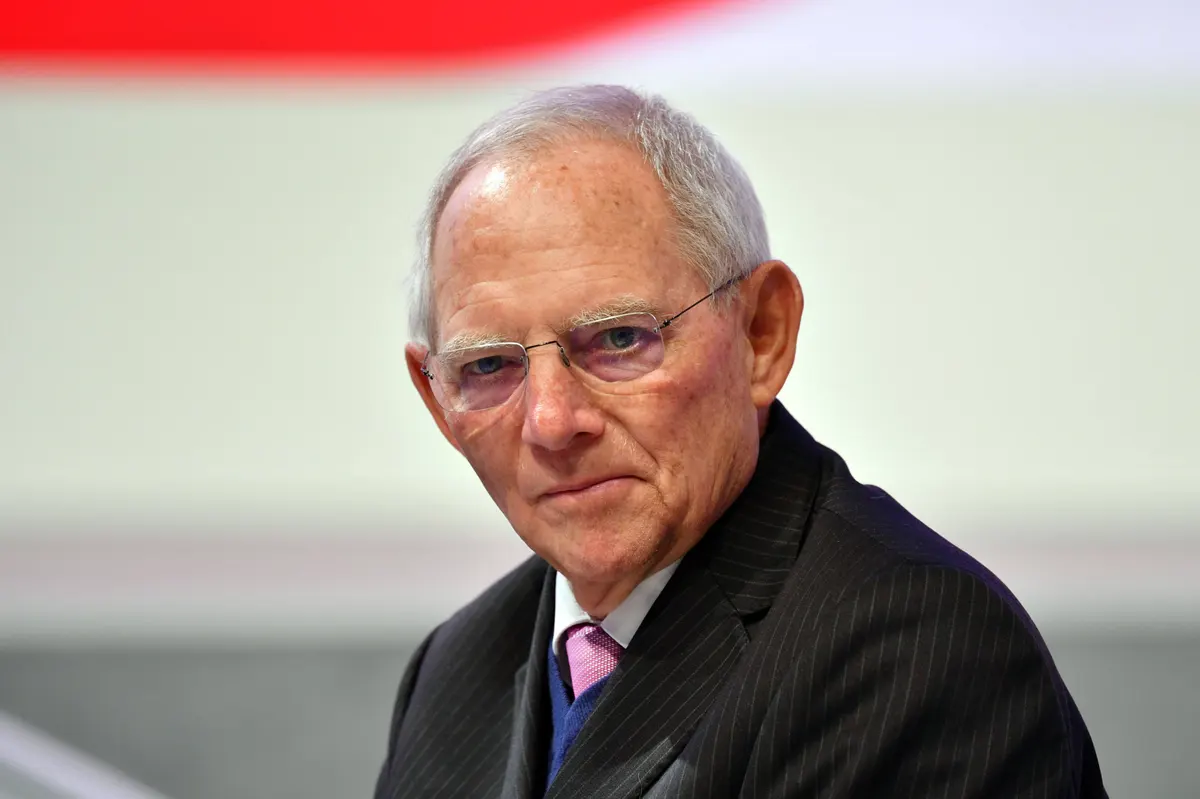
x=225, y=518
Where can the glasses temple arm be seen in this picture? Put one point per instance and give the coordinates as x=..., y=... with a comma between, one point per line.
x=667, y=322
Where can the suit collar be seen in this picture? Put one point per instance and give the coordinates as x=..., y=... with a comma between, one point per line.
x=752, y=547
x=696, y=631
x=624, y=620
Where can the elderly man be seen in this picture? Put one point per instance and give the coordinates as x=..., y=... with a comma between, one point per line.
x=714, y=607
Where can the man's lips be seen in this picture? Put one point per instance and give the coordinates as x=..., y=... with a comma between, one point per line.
x=579, y=487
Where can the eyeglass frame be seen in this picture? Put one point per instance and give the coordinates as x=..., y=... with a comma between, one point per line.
x=562, y=352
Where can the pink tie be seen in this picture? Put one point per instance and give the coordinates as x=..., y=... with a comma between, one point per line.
x=592, y=654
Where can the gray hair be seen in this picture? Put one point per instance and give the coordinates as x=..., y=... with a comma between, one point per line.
x=721, y=230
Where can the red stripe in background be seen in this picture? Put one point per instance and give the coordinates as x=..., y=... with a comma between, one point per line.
x=419, y=34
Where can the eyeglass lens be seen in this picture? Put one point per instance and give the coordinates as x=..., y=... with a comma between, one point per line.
x=612, y=350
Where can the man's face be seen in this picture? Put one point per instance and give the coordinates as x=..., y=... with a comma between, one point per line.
x=607, y=482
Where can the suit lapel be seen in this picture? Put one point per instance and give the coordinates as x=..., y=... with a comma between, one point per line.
x=694, y=635
x=525, y=774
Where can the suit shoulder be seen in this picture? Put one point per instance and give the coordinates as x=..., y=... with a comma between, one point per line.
x=500, y=621
x=871, y=564
x=939, y=648
x=870, y=517
x=859, y=534
x=457, y=694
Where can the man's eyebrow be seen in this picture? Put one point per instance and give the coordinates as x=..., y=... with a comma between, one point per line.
x=621, y=305
x=472, y=338
x=616, y=307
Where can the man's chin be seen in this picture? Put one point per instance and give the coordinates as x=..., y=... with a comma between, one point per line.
x=597, y=559
x=593, y=572
x=603, y=547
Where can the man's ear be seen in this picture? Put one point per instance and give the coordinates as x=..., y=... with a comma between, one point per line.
x=414, y=356
x=773, y=304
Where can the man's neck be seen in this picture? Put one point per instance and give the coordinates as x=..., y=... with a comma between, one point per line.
x=599, y=599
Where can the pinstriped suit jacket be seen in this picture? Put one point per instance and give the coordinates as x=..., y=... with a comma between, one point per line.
x=819, y=641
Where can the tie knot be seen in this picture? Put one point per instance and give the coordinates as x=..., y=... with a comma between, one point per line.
x=592, y=654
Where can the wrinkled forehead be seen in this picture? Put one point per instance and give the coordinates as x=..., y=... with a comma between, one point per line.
x=581, y=224
x=572, y=195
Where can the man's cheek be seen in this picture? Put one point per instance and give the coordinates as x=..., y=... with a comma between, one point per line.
x=491, y=472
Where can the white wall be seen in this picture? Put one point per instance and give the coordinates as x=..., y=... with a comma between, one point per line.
x=202, y=322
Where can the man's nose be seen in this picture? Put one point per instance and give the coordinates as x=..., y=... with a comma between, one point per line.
x=557, y=406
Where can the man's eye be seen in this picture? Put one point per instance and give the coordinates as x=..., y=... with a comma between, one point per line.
x=484, y=366
x=620, y=338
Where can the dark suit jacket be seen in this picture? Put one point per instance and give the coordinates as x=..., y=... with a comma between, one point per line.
x=819, y=641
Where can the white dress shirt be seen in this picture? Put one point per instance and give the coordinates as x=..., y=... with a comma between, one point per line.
x=624, y=619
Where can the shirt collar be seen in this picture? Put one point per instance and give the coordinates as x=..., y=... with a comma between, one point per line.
x=625, y=618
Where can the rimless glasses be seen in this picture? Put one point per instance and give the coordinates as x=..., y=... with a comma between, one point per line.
x=614, y=349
